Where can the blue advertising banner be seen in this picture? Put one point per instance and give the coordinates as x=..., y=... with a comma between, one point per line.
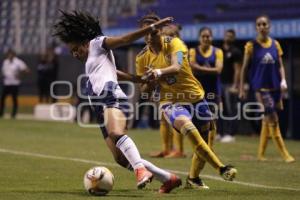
x=287, y=28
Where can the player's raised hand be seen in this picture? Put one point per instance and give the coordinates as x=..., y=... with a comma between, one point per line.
x=163, y=22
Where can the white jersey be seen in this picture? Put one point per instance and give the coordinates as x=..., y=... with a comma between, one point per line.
x=101, y=69
x=11, y=70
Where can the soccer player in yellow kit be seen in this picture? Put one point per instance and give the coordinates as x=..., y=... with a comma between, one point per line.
x=267, y=79
x=207, y=63
x=172, y=143
x=164, y=60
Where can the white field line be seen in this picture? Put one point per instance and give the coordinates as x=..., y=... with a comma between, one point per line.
x=22, y=153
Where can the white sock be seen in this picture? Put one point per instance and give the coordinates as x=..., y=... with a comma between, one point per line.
x=160, y=174
x=130, y=151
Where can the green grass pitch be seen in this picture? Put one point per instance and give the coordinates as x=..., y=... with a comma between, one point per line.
x=47, y=160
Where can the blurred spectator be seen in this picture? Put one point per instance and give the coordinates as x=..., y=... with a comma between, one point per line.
x=230, y=81
x=52, y=61
x=12, y=68
x=43, y=79
x=47, y=70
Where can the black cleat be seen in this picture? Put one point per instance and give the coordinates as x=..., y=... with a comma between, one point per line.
x=195, y=183
x=228, y=172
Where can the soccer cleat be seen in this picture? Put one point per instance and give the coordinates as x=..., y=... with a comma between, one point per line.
x=289, y=159
x=261, y=158
x=143, y=177
x=228, y=172
x=195, y=183
x=175, y=154
x=160, y=154
x=171, y=184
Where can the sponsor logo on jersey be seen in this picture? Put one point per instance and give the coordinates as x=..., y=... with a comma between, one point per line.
x=268, y=59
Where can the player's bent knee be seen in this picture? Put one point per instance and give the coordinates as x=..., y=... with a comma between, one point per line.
x=181, y=121
x=176, y=115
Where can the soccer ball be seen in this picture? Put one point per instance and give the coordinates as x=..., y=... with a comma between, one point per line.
x=98, y=181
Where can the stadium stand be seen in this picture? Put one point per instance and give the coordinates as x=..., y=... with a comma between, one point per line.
x=26, y=25
x=39, y=15
x=215, y=11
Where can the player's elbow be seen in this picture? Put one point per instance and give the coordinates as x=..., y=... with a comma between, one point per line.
x=219, y=71
x=176, y=68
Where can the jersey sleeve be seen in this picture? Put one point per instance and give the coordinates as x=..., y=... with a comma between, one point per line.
x=249, y=48
x=177, y=45
x=192, y=55
x=279, y=49
x=219, y=55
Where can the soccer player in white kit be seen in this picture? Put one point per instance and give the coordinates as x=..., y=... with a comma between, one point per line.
x=83, y=35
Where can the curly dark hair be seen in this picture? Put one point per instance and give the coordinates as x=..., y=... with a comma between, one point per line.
x=77, y=27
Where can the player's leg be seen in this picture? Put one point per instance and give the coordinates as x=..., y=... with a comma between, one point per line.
x=264, y=134
x=15, y=94
x=263, y=140
x=272, y=102
x=180, y=118
x=177, y=140
x=4, y=94
x=165, y=139
x=274, y=130
x=115, y=124
x=198, y=163
x=169, y=180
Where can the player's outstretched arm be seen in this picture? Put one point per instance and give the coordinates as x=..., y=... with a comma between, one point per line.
x=283, y=83
x=176, y=62
x=123, y=76
x=117, y=41
x=246, y=59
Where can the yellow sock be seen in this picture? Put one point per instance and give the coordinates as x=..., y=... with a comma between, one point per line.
x=197, y=166
x=212, y=134
x=199, y=145
x=178, y=140
x=277, y=138
x=164, y=134
x=198, y=162
x=263, y=141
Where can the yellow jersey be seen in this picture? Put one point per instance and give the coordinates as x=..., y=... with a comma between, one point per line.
x=180, y=87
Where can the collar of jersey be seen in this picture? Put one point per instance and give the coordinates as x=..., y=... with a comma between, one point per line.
x=206, y=54
x=266, y=44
